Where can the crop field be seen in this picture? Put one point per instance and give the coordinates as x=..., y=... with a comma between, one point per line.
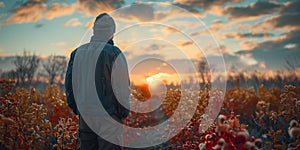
x=249, y=119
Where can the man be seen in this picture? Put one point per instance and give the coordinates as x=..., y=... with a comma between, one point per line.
x=102, y=66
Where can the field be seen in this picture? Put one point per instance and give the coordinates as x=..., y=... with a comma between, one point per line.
x=263, y=119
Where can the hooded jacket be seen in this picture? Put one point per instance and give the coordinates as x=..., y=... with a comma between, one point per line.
x=102, y=65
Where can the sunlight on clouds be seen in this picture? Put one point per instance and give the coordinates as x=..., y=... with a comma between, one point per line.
x=95, y=7
x=248, y=45
x=248, y=60
x=242, y=26
x=246, y=30
x=252, y=11
x=28, y=12
x=90, y=24
x=58, y=10
x=290, y=46
x=72, y=22
x=216, y=10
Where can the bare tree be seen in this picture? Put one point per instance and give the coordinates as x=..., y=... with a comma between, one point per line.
x=9, y=75
x=55, y=66
x=26, y=66
x=292, y=64
x=204, y=71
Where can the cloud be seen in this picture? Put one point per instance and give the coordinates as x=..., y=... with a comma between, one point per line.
x=248, y=60
x=89, y=24
x=291, y=7
x=273, y=52
x=213, y=6
x=2, y=4
x=72, y=22
x=254, y=10
x=184, y=43
x=286, y=20
x=155, y=47
x=216, y=25
x=147, y=12
x=39, y=25
x=191, y=9
x=290, y=46
x=169, y=30
x=95, y=7
x=235, y=35
x=248, y=45
x=242, y=26
x=35, y=10
x=58, y=10
x=137, y=11
x=31, y=11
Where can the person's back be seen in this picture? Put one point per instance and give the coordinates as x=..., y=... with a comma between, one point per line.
x=89, y=81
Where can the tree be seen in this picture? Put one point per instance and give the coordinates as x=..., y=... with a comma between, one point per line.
x=291, y=65
x=9, y=75
x=204, y=71
x=26, y=66
x=55, y=66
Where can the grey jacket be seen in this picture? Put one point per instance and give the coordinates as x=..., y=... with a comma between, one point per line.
x=111, y=82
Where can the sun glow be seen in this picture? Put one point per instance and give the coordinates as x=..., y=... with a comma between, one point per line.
x=149, y=79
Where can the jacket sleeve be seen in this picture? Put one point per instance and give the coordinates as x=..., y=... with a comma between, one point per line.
x=121, y=85
x=68, y=85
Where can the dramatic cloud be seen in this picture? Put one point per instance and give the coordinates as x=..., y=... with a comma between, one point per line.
x=285, y=20
x=143, y=12
x=58, y=10
x=137, y=11
x=204, y=4
x=31, y=11
x=95, y=7
x=254, y=10
x=147, y=12
x=72, y=22
x=291, y=7
x=274, y=51
x=34, y=10
x=236, y=35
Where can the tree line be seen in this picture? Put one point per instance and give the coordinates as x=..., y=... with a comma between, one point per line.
x=30, y=67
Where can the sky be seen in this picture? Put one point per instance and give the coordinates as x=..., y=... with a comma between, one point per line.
x=250, y=35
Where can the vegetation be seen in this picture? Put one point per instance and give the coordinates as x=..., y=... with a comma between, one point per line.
x=248, y=119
